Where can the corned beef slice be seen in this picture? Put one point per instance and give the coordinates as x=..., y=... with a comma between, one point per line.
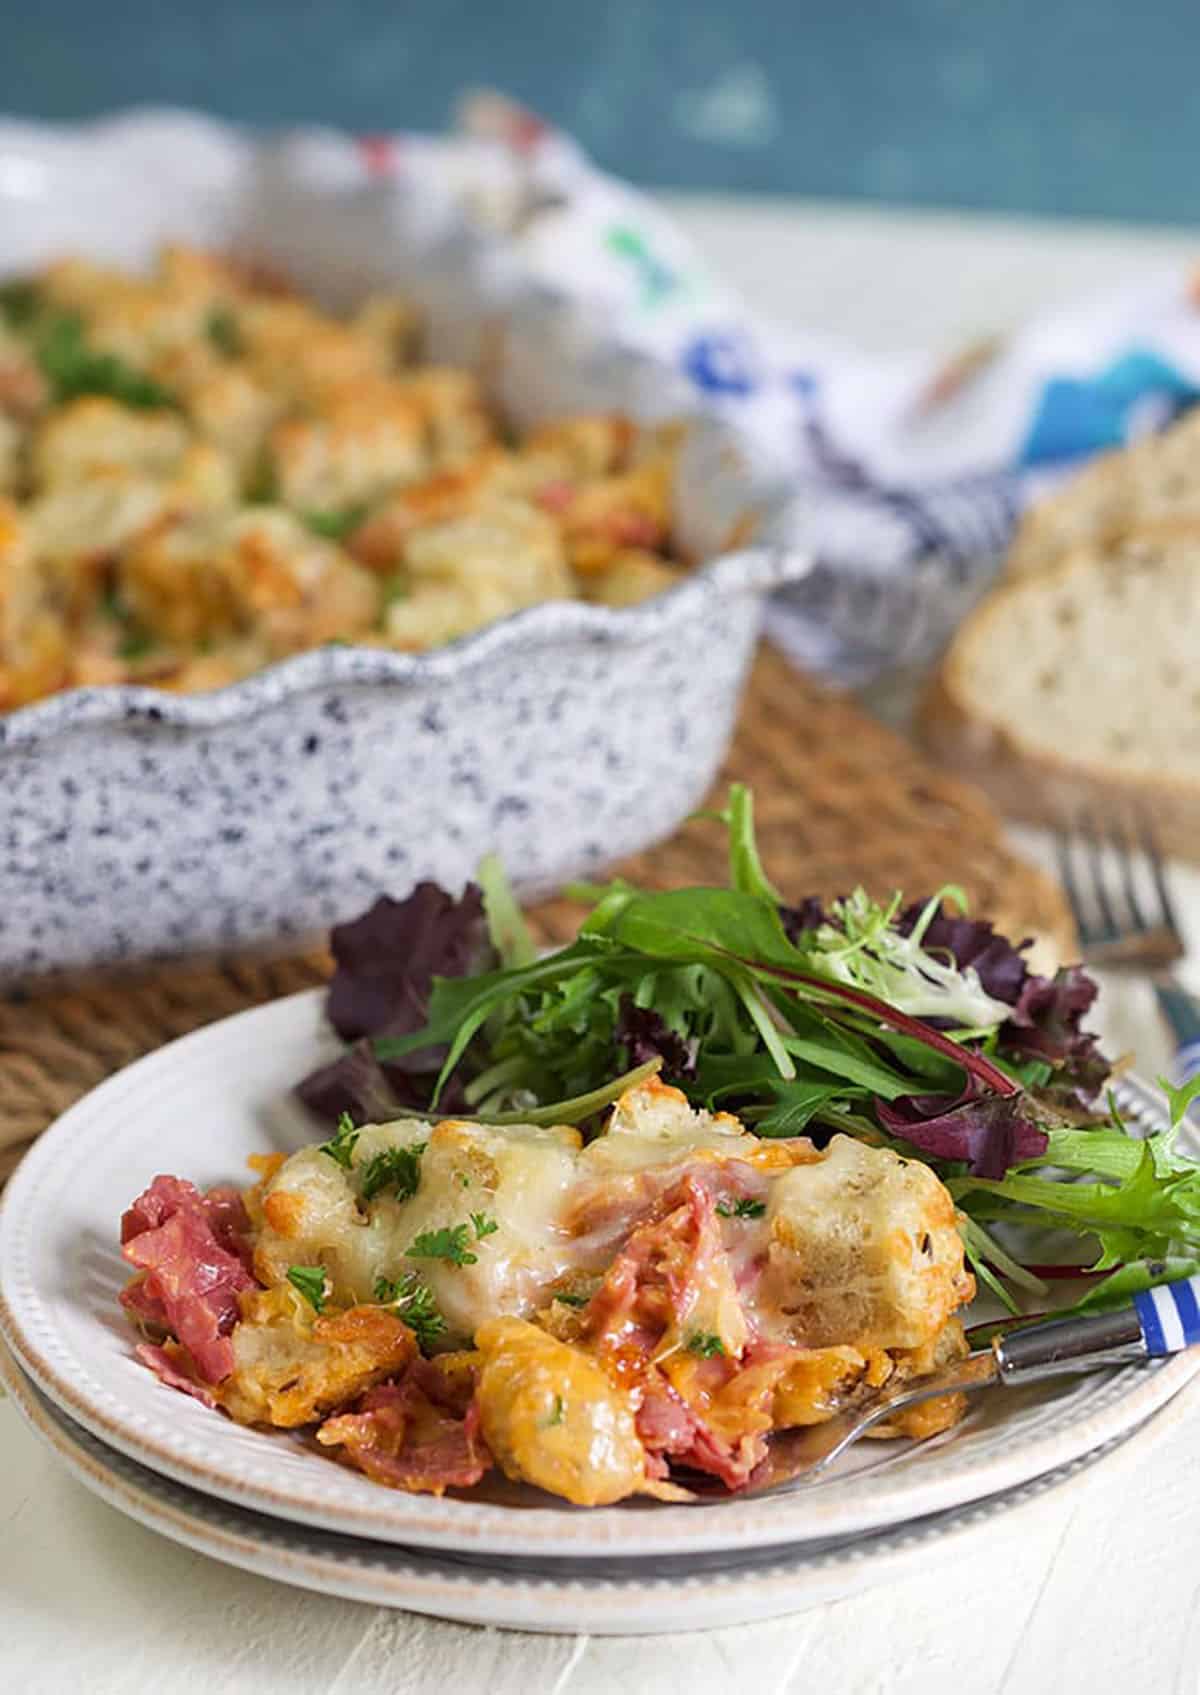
x=649, y=1287
x=169, y=1370
x=190, y=1248
x=401, y=1436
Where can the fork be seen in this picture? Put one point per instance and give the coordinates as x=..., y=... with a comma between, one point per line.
x=1126, y=920
x=1156, y=1323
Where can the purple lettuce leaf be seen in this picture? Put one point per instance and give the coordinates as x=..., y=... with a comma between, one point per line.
x=1049, y=1009
x=646, y=1035
x=371, y=1092
x=989, y=1132
x=1046, y=1023
x=808, y=914
x=973, y=942
x=386, y=961
x=1047, y=1017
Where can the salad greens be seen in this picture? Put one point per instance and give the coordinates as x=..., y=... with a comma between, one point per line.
x=915, y=1028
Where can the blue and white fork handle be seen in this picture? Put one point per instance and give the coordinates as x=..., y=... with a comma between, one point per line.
x=1159, y=1322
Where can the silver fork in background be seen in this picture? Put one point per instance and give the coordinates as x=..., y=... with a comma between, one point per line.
x=1116, y=882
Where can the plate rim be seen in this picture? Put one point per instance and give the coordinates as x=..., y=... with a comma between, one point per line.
x=258, y=1545
x=422, y=1520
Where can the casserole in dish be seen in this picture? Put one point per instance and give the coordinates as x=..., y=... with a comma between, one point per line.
x=138, y=822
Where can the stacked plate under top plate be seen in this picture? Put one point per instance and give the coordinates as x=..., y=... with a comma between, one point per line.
x=504, y=1555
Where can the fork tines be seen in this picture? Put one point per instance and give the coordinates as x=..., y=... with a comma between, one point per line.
x=1112, y=871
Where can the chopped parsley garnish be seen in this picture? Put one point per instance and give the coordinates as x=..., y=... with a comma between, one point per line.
x=224, y=333
x=395, y=589
x=135, y=641
x=452, y=1241
x=341, y=1148
x=334, y=525
x=704, y=1343
x=449, y=1243
x=415, y=1304
x=393, y=1168
x=744, y=1208
x=20, y=302
x=72, y=368
x=262, y=486
x=573, y=1300
x=310, y=1280
x=136, y=644
x=558, y=1412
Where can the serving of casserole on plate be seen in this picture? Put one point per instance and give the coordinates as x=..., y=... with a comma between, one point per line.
x=522, y=1271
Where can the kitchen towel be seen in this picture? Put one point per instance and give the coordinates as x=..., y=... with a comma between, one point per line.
x=908, y=472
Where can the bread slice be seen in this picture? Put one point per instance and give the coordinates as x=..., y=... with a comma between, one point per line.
x=1079, y=687
x=1154, y=481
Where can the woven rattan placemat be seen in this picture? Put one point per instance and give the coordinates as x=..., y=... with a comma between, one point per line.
x=839, y=800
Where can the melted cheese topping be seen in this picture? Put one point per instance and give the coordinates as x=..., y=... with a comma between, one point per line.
x=853, y=1247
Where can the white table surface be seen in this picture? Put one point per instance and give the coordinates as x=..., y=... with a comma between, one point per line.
x=1100, y=1593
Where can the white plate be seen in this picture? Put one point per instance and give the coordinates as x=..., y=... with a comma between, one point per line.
x=198, y=1108
x=603, y=1597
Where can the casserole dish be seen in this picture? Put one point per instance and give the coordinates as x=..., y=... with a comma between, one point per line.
x=137, y=823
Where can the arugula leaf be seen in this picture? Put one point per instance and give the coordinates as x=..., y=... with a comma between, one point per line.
x=506, y=922
x=708, y=926
x=797, y=1105
x=448, y=1243
x=745, y=867
x=310, y=1280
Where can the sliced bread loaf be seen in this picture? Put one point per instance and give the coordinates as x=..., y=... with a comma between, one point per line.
x=1156, y=480
x=1080, y=686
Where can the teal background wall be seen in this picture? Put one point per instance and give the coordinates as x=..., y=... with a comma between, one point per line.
x=1060, y=107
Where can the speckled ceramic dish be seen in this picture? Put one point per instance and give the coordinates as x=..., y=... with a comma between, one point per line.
x=616, y=1596
x=207, y=1102
x=137, y=823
